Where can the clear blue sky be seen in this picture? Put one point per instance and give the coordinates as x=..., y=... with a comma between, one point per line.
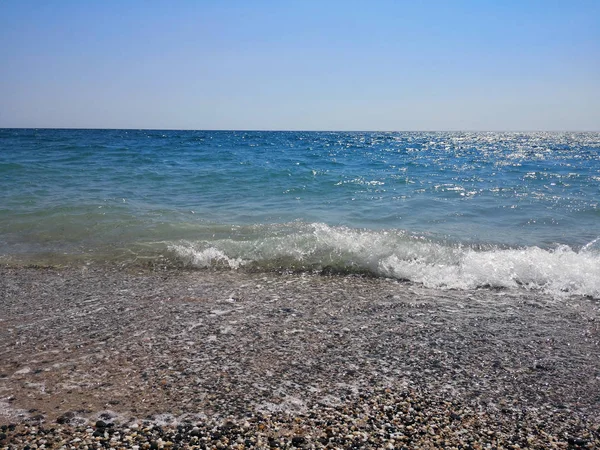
x=315, y=65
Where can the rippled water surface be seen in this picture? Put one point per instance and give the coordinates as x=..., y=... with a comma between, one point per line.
x=444, y=209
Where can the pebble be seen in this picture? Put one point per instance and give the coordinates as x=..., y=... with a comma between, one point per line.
x=378, y=419
x=420, y=372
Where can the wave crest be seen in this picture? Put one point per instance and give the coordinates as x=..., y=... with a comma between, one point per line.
x=401, y=255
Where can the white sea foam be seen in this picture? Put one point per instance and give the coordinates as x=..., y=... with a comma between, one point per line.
x=556, y=271
x=206, y=257
x=398, y=254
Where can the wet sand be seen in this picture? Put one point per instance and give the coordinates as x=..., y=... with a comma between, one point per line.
x=290, y=360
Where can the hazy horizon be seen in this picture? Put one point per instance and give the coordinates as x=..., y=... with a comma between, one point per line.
x=265, y=130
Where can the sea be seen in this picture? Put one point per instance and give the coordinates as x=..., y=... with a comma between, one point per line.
x=447, y=210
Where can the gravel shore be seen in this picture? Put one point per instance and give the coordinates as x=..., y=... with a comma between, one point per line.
x=133, y=358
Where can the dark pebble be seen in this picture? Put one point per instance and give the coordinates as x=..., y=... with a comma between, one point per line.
x=577, y=441
x=65, y=418
x=298, y=440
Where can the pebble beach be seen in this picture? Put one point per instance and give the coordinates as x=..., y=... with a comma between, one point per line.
x=108, y=357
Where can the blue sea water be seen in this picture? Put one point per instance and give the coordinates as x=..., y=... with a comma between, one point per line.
x=447, y=209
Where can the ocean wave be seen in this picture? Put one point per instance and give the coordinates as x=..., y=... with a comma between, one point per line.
x=559, y=271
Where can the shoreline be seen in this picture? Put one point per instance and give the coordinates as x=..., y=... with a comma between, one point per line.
x=209, y=348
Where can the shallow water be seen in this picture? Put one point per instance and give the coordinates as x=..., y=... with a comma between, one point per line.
x=449, y=210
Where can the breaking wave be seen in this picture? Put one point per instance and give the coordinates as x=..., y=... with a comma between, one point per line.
x=560, y=270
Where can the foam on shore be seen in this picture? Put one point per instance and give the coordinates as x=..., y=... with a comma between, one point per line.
x=558, y=270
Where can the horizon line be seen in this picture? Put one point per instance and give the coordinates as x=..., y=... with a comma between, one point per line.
x=305, y=130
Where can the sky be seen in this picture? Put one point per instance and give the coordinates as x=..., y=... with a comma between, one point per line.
x=301, y=65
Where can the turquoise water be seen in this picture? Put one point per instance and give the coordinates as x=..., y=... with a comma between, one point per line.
x=450, y=210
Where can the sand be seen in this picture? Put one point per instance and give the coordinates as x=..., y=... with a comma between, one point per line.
x=290, y=360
